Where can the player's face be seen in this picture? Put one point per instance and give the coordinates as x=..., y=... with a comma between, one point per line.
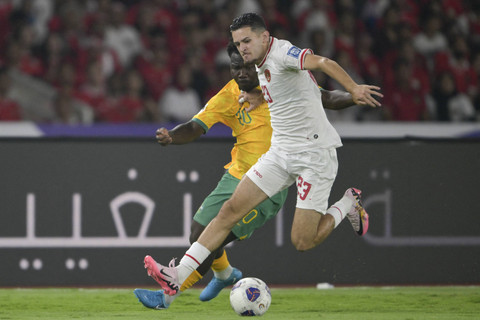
x=251, y=45
x=244, y=75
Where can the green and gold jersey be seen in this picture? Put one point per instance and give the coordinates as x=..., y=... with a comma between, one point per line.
x=251, y=129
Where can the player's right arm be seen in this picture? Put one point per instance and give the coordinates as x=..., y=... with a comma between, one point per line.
x=181, y=134
x=361, y=94
x=218, y=109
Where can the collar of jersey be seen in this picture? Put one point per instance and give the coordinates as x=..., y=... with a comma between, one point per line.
x=268, y=51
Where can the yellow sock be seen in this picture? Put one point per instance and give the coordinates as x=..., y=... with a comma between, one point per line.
x=221, y=263
x=221, y=267
x=194, y=277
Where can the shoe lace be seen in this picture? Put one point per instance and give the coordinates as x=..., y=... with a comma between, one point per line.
x=172, y=263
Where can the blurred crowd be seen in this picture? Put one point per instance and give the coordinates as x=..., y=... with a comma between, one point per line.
x=86, y=61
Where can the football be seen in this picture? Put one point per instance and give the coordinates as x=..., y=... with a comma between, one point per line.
x=250, y=297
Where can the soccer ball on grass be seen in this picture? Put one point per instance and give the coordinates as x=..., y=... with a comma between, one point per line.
x=250, y=297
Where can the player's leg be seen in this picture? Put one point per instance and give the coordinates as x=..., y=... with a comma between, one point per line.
x=207, y=211
x=246, y=196
x=264, y=179
x=159, y=300
x=271, y=175
x=310, y=226
x=316, y=172
x=226, y=275
x=223, y=273
x=217, y=260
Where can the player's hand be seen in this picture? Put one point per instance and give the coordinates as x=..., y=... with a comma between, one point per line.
x=254, y=97
x=364, y=95
x=163, y=137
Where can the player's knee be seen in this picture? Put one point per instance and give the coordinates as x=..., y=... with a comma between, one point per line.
x=302, y=246
x=229, y=214
x=301, y=243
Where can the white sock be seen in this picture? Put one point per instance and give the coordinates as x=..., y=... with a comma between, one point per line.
x=224, y=274
x=340, y=209
x=169, y=299
x=191, y=260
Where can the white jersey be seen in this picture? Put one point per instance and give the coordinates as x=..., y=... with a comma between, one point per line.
x=298, y=120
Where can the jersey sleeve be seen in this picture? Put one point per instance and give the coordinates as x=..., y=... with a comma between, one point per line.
x=293, y=57
x=216, y=110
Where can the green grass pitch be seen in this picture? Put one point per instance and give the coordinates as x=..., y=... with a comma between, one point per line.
x=357, y=303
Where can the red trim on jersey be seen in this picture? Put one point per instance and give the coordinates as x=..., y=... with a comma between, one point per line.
x=313, y=78
x=193, y=259
x=268, y=51
x=302, y=57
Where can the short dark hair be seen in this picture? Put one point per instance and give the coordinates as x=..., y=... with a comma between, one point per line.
x=231, y=49
x=251, y=20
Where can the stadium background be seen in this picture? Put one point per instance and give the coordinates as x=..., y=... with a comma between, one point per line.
x=80, y=168
x=153, y=61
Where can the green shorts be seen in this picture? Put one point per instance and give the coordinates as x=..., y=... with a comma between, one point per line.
x=253, y=220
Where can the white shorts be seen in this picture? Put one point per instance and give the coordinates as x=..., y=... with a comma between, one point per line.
x=313, y=171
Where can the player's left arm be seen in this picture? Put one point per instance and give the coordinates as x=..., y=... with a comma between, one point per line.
x=361, y=94
x=336, y=99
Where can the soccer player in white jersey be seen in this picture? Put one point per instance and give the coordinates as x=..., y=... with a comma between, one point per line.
x=303, y=150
